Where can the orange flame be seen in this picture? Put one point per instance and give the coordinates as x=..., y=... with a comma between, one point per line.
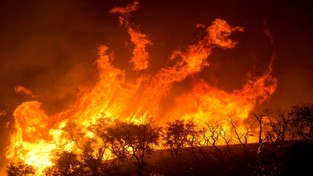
x=125, y=11
x=37, y=136
x=21, y=89
x=139, y=39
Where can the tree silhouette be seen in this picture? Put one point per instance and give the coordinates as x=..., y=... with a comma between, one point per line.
x=278, y=126
x=302, y=120
x=131, y=143
x=212, y=136
x=67, y=164
x=242, y=133
x=110, y=147
x=180, y=135
x=19, y=169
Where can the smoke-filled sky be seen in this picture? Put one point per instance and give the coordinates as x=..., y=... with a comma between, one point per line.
x=50, y=47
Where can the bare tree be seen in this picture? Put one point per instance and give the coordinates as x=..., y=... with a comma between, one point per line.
x=302, y=121
x=278, y=126
x=192, y=133
x=227, y=138
x=211, y=138
x=242, y=133
x=259, y=119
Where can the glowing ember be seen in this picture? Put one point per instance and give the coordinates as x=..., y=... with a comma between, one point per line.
x=38, y=136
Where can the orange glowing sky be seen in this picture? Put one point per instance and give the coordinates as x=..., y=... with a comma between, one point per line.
x=50, y=47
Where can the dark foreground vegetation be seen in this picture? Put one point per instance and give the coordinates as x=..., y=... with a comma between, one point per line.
x=284, y=147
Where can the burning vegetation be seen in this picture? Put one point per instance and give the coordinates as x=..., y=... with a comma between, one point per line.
x=118, y=121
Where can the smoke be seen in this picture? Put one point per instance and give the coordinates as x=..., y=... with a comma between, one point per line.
x=21, y=89
x=3, y=113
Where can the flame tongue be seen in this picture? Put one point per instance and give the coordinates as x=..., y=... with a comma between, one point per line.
x=38, y=135
x=139, y=39
x=188, y=62
x=205, y=102
x=109, y=97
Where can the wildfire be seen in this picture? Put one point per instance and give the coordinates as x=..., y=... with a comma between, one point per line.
x=37, y=136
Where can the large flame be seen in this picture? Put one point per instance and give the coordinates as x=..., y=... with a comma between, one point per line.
x=37, y=136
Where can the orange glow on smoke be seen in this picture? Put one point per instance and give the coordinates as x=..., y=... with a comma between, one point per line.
x=21, y=89
x=37, y=136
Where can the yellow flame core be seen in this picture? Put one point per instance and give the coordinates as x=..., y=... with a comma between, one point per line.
x=38, y=136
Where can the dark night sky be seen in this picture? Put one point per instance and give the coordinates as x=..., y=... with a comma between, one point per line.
x=50, y=46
